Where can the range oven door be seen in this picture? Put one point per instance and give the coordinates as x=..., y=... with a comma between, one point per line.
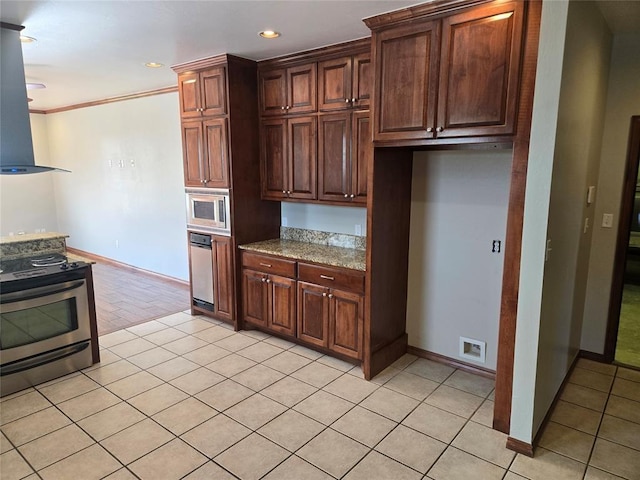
x=45, y=331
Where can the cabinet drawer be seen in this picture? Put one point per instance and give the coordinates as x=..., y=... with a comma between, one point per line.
x=268, y=264
x=351, y=280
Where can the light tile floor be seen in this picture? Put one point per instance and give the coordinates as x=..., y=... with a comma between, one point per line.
x=185, y=397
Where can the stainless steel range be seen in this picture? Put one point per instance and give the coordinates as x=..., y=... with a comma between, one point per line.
x=45, y=323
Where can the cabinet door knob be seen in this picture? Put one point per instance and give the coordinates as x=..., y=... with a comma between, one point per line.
x=268, y=280
x=288, y=107
x=288, y=192
x=346, y=195
x=282, y=108
x=439, y=129
x=284, y=192
x=331, y=295
x=263, y=279
x=324, y=294
x=429, y=129
x=352, y=195
x=354, y=100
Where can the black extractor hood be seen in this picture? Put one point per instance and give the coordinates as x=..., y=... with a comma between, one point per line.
x=16, y=145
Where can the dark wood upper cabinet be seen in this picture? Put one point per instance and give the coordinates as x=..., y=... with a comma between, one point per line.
x=334, y=156
x=205, y=153
x=361, y=155
x=273, y=91
x=345, y=82
x=449, y=78
x=273, y=155
x=362, y=80
x=203, y=93
x=288, y=90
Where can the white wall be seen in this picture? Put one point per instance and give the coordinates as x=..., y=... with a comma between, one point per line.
x=459, y=203
x=623, y=101
x=325, y=218
x=27, y=201
x=124, y=199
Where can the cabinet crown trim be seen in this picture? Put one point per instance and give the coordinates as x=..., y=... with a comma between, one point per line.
x=418, y=12
x=353, y=47
x=203, y=63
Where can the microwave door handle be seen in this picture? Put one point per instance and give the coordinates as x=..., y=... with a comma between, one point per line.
x=39, y=292
x=222, y=211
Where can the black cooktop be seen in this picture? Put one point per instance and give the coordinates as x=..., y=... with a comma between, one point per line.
x=36, y=266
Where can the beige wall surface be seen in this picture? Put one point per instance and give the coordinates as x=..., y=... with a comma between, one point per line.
x=623, y=101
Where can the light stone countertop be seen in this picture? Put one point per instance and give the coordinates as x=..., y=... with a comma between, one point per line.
x=72, y=257
x=311, y=252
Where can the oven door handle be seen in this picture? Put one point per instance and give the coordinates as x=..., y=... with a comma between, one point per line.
x=42, y=358
x=39, y=292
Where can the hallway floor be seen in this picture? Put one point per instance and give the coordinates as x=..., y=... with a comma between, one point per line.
x=187, y=397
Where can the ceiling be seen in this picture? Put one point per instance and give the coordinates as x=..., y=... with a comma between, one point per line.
x=90, y=50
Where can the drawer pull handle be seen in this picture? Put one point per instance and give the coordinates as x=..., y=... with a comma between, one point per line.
x=265, y=265
x=327, y=277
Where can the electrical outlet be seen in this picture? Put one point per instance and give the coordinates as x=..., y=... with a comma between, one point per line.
x=495, y=248
x=607, y=220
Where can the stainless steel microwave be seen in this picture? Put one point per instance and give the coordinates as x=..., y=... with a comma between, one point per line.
x=208, y=210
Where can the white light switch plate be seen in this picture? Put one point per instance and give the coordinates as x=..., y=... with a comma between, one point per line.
x=607, y=220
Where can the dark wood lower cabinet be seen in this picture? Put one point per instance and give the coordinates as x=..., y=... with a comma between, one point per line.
x=346, y=322
x=254, y=298
x=223, y=278
x=269, y=301
x=313, y=314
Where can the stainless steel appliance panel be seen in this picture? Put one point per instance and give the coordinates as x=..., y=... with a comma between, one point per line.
x=201, y=270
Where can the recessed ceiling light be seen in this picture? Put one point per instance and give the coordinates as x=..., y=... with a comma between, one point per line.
x=25, y=39
x=35, y=86
x=269, y=34
x=153, y=65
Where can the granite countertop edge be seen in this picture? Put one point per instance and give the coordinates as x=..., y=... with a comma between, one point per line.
x=311, y=252
x=72, y=257
x=31, y=237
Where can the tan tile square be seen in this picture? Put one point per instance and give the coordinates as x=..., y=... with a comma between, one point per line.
x=13, y=466
x=434, y=422
x=34, y=426
x=375, y=465
x=173, y=368
x=235, y=342
x=484, y=415
x=279, y=342
x=107, y=374
x=435, y=371
x=255, y=411
x=231, y=365
x=305, y=352
x=547, y=465
x=605, y=368
x=333, y=452
x=288, y=391
x=175, y=319
x=316, y=374
x=620, y=431
x=172, y=460
x=287, y=362
x=391, y=404
x=91, y=463
x=5, y=445
x=364, y=426
x=455, y=464
x=165, y=336
x=595, y=474
x=258, y=377
x=69, y=388
x=106, y=357
x=336, y=363
x=591, y=379
x=184, y=415
x=291, y=430
x=122, y=474
x=210, y=471
x=324, y=407
x=575, y=416
x=224, y=395
x=513, y=476
x=132, y=347
x=616, y=459
x=146, y=328
x=151, y=357
x=55, y=446
x=484, y=442
x=411, y=385
x=623, y=408
x=134, y=385
x=259, y=352
x=454, y=401
x=137, y=440
x=470, y=383
x=205, y=355
x=157, y=399
x=87, y=404
x=628, y=374
x=185, y=345
x=214, y=334
x=411, y=448
x=294, y=468
x=567, y=441
x=116, y=338
x=257, y=334
x=197, y=380
x=404, y=361
x=252, y=457
x=194, y=325
x=583, y=396
x=627, y=389
x=351, y=388
x=385, y=375
x=215, y=435
x=112, y=420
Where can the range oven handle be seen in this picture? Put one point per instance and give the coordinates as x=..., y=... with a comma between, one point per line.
x=42, y=359
x=39, y=292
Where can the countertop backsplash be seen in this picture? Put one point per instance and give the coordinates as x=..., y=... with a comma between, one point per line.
x=323, y=238
x=24, y=245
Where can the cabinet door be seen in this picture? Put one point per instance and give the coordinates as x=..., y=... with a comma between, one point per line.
x=213, y=90
x=189, y=86
x=346, y=322
x=282, y=304
x=480, y=70
x=216, y=157
x=273, y=91
x=254, y=297
x=313, y=314
x=301, y=89
x=192, y=153
x=334, y=84
x=361, y=155
x=362, y=81
x=334, y=156
x=406, y=81
x=223, y=278
x=273, y=152
x=301, y=176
